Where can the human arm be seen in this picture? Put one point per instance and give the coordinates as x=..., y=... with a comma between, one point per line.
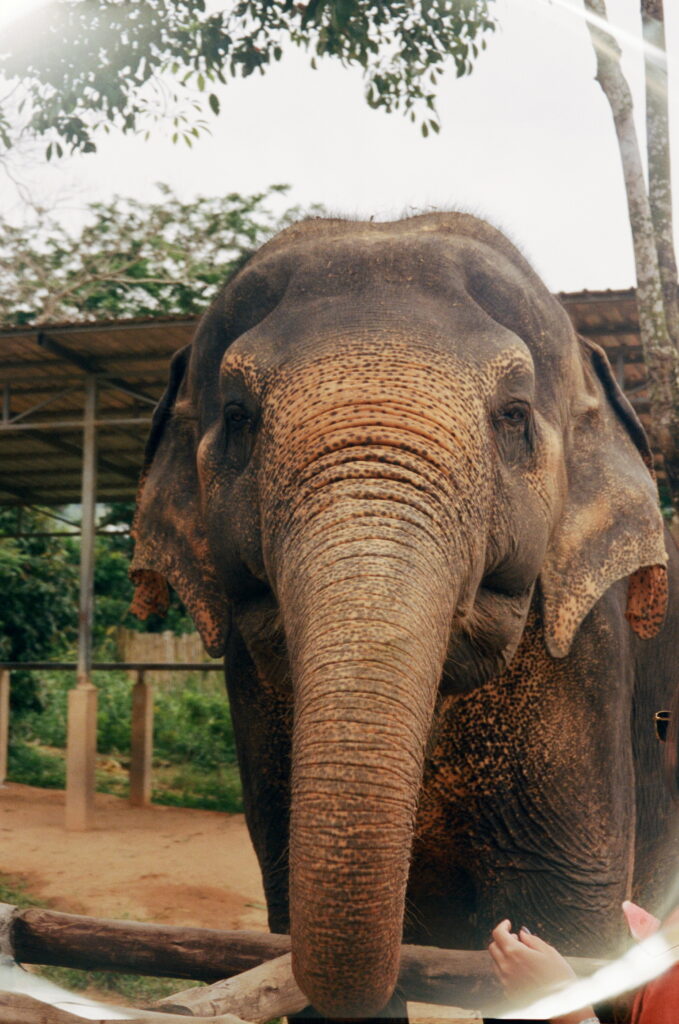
x=525, y=964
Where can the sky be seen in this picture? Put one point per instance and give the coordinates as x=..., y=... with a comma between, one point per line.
x=527, y=142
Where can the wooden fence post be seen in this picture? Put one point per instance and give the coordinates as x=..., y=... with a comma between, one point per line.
x=4, y=722
x=141, y=743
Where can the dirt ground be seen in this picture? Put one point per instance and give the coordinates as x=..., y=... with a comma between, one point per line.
x=165, y=864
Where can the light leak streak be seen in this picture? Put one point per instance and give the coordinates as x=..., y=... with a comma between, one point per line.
x=11, y=11
x=625, y=38
x=636, y=967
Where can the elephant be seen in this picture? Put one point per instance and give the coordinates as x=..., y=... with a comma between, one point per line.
x=413, y=510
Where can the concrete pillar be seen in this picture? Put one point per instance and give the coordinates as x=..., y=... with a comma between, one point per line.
x=82, y=701
x=141, y=744
x=4, y=722
x=81, y=757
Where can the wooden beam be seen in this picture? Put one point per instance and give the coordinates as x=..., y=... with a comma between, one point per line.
x=49, y=937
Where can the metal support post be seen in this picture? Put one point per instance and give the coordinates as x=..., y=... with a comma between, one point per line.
x=141, y=744
x=82, y=700
x=4, y=722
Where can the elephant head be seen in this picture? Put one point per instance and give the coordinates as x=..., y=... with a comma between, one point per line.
x=381, y=440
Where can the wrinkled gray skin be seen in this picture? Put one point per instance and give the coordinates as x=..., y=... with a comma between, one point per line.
x=406, y=500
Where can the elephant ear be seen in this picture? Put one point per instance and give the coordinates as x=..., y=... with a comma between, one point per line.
x=170, y=540
x=610, y=526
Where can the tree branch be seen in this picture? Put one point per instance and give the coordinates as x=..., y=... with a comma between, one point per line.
x=659, y=163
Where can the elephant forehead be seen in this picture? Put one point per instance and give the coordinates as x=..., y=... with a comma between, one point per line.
x=395, y=367
x=401, y=328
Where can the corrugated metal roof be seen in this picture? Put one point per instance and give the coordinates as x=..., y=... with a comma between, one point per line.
x=42, y=373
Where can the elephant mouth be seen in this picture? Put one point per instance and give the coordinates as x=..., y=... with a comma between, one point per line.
x=484, y=641
x=259, y=622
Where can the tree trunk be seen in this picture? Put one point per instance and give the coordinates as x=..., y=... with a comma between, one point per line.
x=659, y=162
x=660, y=355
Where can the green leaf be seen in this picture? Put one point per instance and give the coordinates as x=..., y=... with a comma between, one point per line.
x=214, y=103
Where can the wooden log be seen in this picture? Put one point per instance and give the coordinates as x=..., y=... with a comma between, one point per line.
x=270, y=990
x=37, y=936
x=16, y=1008
x=257, y=995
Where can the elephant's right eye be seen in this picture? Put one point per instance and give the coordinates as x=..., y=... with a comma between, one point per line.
x=235, y=416
x=238, y=434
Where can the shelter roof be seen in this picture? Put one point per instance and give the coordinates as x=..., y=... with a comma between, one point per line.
x=43, y=372
x=42, y=378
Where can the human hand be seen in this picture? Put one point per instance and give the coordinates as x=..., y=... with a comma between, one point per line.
x=525, y=963
x=527, y=966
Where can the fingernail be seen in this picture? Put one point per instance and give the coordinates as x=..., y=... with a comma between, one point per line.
x=526, y=930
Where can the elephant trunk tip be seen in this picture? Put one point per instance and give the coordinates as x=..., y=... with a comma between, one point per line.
x=341, y=995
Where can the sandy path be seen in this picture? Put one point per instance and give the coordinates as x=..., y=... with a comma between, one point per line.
x=163, y=864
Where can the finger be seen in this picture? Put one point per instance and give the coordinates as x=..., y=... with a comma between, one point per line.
x=503, y=935
x=498, y=957
x=534, y=941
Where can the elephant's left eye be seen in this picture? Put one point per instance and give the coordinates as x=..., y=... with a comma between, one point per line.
x=514, y=414
x=513, y=429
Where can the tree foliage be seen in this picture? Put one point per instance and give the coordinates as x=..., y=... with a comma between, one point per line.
x=39, y=584
x=90, y=64
x=131, y=258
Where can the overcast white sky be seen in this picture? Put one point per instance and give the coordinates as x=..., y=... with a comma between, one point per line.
x=527, y=141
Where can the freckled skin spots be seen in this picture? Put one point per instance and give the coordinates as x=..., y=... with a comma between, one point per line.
x=405, y=500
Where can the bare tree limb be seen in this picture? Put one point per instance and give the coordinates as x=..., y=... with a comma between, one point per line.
x=16, y=1008
x=258, y=995
x=659, y=161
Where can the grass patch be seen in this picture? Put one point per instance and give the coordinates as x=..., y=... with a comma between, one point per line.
x=29, y=763
x=13, y=891
x=135, y=989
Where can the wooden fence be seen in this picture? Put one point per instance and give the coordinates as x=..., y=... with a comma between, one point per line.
x=167, y=647
x=256, y=982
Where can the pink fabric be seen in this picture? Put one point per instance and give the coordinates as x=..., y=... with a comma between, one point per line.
x=658, y=1002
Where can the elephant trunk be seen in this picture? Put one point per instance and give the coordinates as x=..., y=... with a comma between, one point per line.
x=373, y=603
x=374, y=544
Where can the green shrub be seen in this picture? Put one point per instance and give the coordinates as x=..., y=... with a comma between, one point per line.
x=194, y=749
x=195, y=726
x=35, y=767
